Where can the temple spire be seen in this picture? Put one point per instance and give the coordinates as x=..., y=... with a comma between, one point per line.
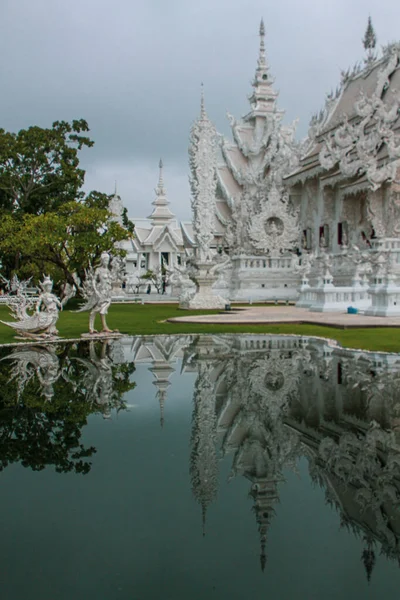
x=261, y=57
x=203, y=114
x=368, y=558
x=369, y=40
x=161, y=214
x=263, y=98
x=160, y=190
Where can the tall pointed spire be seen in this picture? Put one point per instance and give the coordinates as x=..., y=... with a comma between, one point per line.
x=160, y=190
x=262, y=61
x=263, y=98
x=369, y=40
x=161, y=214
x=115, y=206
x=203, y=114
x=368, y=558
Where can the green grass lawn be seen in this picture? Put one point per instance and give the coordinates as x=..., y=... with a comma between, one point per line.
x=147, y=319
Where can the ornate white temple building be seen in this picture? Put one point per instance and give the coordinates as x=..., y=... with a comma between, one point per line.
x=317, y=221
x=159, y=239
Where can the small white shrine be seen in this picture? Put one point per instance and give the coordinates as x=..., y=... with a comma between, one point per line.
x=159, y=240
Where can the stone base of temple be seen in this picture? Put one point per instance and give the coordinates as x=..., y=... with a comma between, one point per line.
x=331, y=298
x=258, y=278
x=385, y=300
x=203, y=300
x=304, y=300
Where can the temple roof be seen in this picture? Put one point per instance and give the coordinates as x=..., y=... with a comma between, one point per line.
x=377, y=84
x=152, y=235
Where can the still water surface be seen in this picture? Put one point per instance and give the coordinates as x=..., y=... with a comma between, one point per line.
x=199, y=467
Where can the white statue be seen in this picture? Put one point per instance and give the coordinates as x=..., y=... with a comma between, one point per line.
x=99, y=384
x=42, y=361
x=97, y=290
x=180, y=277
x=304, y=268
x=42, y=323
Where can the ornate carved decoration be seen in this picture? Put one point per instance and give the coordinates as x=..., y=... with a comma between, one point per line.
x=203, y=181
x=355, y=146
x=42, y=323
x=274, y=229
x=203, y=457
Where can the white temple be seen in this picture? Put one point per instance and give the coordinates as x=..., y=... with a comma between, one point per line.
x=317, y=221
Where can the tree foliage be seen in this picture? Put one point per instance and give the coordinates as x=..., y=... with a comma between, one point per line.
x=48, y=223
x=39, y=168
x=60, y=243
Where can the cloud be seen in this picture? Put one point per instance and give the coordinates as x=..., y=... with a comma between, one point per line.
x=136, y=183
x=133, y=68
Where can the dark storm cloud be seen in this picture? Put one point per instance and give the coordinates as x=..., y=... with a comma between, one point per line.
x=133, y=69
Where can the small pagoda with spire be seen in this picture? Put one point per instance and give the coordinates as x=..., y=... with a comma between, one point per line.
x=161, y=214
x=160, y=241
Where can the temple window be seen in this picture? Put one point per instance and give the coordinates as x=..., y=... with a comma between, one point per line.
x=324, y=236
x=342, y=233
x=339, y=373
x=306, y=239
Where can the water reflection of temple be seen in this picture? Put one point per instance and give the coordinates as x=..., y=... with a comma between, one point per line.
x=162, y=352
x=269, y=400
x=264, y=401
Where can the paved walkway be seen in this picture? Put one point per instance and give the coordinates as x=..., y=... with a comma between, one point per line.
x=257, y=315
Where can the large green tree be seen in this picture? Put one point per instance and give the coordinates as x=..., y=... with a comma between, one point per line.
x=48, y=223
x=39, y=168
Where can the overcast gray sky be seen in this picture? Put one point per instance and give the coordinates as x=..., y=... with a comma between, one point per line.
x=133, y=68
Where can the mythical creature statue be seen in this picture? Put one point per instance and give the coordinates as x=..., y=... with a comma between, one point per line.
x=40, y=360
x=97, y=291
x=40, y=324
x=99, y=383
x=181, y=276
x=307, y=260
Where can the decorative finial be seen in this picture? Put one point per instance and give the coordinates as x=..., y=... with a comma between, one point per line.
x=263, y=557
x=203, y=114
x=203, y=517
x=161, y=398
x=368, y=559
x=369, y=40
x=160, y=187
x=261, y=58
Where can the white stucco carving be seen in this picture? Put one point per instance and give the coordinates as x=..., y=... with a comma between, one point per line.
x=357, y=146
x=274, y=229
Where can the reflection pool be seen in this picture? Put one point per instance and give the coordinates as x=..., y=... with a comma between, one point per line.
x=199, y=467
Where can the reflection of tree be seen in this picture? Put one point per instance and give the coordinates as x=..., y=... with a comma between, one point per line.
x=44, y=406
